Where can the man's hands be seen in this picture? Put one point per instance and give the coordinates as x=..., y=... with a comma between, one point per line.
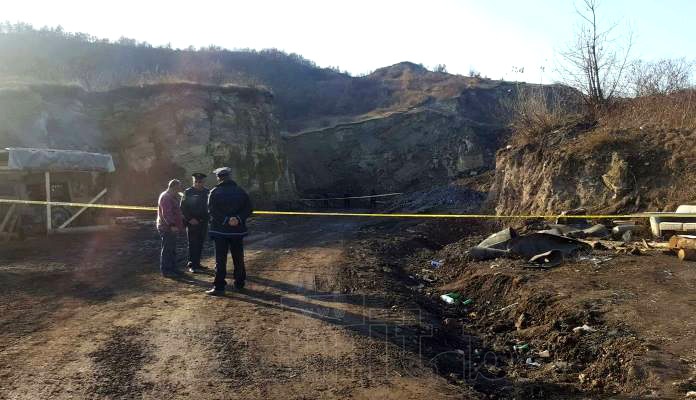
x=193, y=221
x=233, y=221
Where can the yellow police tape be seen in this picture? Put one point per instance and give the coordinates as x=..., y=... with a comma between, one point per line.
x=348, y=214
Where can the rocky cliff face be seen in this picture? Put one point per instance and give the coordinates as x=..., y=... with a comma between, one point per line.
x=156, y=133
x=427, y=145
x=638, y=167
x=400, y=152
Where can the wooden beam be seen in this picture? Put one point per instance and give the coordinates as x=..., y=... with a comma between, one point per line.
x=48, y=200
x=81, y=210
x=7, y=217
x=13, y=225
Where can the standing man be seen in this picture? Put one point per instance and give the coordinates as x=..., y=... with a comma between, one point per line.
x=169, y=223
x=229, y=207
x=194, y=206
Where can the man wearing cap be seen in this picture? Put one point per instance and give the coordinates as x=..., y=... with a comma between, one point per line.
x=229, y=207
x=194, y=206
x=169, y=224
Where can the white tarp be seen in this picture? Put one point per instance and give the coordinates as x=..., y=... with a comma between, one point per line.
x=24, y=159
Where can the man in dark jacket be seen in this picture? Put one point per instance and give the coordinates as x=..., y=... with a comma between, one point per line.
x=194, y=206
x=229, y=207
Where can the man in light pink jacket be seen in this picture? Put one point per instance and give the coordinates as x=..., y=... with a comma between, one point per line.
x=170, y=222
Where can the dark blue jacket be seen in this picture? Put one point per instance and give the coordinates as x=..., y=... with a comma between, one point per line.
x=227, y=200
x=194, y=204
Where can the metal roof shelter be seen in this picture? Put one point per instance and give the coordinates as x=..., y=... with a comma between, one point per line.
x=22, y=165
x=49, y=160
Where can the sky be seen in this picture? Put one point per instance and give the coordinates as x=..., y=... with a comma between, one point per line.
x=493, y=37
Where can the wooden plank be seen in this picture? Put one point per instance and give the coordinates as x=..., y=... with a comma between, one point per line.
x=9, y=235
x=681, y=242
x=48, y=200
x=13, y=225
x=81, y=210
x=687, y=254
x=5, y=220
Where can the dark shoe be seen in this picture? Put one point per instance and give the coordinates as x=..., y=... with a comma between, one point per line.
x=189, y=265
x=192, y=270
x=239, y=285
x=215, y=292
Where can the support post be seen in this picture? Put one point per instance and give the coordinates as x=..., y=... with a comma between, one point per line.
x=48, y=202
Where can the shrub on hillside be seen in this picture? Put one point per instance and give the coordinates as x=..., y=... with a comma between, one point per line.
x=668, y=111
x=539, y=109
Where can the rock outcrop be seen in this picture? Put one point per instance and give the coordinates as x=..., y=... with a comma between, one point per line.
x=609, y=166
x=426, y=145
x=400, y=152
x=156, y=132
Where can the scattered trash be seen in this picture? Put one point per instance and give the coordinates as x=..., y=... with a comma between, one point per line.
x=691, y=394
x=419, y=287
x=562, y=365
x=597, y=245
x=549, y=259
x=520, y=347
x=584, y=328
x=455, y=298
x=437, y=263
x=429, y=279
x=545, y=354
x=508, y=243
x=578, y=231
x=631, y=250
x=451, y=298
x=532, y=363
x=595, y=260
x=662, y=223
x=508, y=306
x=620, y=231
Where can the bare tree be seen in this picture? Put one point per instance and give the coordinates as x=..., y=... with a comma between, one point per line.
x=595, y=61
x=660, y=77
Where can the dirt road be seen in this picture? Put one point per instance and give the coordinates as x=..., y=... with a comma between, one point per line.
x=89, y=317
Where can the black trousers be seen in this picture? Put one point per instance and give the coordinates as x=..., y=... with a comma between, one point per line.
x=196, y=238
x=234, y=245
